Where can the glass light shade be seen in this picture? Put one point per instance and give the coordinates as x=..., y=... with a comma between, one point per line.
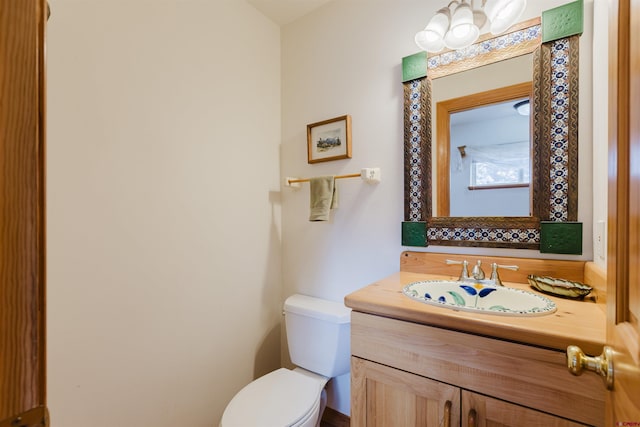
x=431, y=38
x=429, y=41
x=480, y=19
x=523, y=107
x=503, y=13
x=463, y=32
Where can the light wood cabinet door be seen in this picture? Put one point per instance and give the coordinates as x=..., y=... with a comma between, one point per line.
x=384, y=397
x=483, y=411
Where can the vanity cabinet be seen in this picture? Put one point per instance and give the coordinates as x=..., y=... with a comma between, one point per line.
x=390, y=397
x=479, y=410
x=410, y=374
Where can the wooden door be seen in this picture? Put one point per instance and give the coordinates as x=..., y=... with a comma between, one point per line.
x=623, y=270
x=384, y=396
x=22, y=249
x=483, y=411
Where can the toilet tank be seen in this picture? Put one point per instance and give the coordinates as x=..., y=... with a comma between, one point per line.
x=318, y=334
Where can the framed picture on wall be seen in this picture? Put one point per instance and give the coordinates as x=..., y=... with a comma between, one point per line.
x=329, y=140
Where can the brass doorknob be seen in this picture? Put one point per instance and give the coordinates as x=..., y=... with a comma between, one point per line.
x=577, y=362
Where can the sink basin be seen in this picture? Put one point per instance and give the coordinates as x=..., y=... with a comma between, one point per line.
x=479, y=298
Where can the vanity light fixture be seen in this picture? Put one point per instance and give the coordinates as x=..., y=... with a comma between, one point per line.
x=459, y=25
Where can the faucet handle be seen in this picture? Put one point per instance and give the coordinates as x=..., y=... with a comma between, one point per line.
x=464, y=273
x=495, y=277
x=509, y=267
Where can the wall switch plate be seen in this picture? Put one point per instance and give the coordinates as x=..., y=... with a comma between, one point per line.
x=600, y=239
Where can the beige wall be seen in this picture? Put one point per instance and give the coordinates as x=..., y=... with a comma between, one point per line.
x=345, y=58
x=164, y=281
x=165, y=164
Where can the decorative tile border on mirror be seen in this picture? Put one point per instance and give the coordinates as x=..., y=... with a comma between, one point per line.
x=417, y=179
x=516, y=236
x=500, y=48
x=561, y=56
x=560, y=30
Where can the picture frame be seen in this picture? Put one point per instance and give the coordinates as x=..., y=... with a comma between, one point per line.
x=329, y=140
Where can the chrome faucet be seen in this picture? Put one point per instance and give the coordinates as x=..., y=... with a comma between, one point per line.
x=477, y=274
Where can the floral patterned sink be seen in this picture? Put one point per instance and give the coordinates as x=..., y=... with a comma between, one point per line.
x=480, y=298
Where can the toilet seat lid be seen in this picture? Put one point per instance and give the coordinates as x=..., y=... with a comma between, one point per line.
x=280, y=398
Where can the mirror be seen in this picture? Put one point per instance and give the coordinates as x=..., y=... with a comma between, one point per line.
x=474, y=116
x=489, y=172
x=551, y=85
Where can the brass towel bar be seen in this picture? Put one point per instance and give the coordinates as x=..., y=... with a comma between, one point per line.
x=370, y=175
x=351, y=175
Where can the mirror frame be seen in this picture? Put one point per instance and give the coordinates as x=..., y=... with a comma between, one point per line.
x=554, y=141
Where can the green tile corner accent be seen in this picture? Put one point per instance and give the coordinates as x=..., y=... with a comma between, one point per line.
x=563, y=21
x=414, y=233
x=561, y=237
x=414, y=66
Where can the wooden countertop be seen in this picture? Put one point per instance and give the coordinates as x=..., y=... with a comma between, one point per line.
x=581, y=323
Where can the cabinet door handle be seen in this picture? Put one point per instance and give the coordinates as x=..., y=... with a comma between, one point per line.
x=447, y=414
x=472, y=419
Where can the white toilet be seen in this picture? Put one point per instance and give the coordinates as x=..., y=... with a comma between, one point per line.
x=318, y=336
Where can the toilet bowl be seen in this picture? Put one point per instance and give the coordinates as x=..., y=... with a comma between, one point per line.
x=282, y=398
x=318, y=337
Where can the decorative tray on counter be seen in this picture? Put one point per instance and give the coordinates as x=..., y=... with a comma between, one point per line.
x=559, y=287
